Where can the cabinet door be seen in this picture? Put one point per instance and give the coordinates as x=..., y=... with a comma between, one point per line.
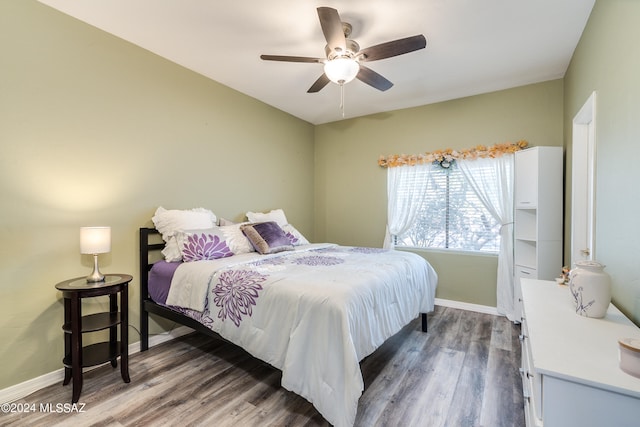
x=526, y=178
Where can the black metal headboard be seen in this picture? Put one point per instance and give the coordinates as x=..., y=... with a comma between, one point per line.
x=146, y=247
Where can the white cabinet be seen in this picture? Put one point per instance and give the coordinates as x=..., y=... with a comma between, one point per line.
x=537, y=216
x=570, y=372
x=526, y=173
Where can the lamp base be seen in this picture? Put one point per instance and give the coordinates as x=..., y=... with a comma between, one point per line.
x=95, y=278
x=95, y=275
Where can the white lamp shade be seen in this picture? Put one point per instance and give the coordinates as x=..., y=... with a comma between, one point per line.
x=341, y=70
x=95, y=240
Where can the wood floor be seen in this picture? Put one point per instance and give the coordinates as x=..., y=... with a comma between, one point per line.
x=463, y=372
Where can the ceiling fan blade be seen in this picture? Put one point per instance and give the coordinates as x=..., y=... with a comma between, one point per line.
x=373, y=79
x=322, y=81
x=332, y=28
x=291, y=58
x=393, y=48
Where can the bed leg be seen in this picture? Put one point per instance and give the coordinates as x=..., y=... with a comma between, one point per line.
x=424, y=322
x=144, y=330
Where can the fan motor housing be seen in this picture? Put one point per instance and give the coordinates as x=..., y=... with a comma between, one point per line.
x=352, y=50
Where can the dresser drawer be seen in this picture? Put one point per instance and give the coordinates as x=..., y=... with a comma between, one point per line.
x=531, y=380
x=520, y=273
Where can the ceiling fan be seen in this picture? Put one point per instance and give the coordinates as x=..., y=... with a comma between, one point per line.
x=344, y=57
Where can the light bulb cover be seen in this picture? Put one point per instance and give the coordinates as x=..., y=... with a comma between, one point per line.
x=341, y=70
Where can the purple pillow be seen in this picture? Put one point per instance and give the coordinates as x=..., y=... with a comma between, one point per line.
x=267, y=237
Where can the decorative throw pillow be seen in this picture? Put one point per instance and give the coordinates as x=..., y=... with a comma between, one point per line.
x=267, y=237
x=276, y=215
x=198, y=245
x=279, y=217
x=236, y=240
x=169, y=222
x=294, y=235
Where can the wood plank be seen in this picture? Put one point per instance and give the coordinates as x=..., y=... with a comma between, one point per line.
x=501, y=336
x=471, y=384
x=385, y=370
x=431, y=396
x=503, y=393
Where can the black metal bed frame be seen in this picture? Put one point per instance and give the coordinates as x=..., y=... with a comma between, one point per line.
x=147, y=305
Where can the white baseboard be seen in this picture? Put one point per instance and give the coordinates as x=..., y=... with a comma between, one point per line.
x=18, y=391
x=25, y=388
x=467, y=306
x=160, y=338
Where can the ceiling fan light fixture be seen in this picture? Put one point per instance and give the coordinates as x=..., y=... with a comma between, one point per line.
x=341, y=70
x=343, y=55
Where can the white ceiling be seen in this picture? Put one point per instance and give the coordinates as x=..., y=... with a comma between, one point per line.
x=473, y=46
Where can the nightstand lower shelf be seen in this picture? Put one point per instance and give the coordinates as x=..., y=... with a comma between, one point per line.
x=96, y=354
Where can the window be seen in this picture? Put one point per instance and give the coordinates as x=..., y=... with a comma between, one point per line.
x=451, y=216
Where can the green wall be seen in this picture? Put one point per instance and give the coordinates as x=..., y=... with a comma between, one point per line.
x=607, y=61
x=96, y=131
x=350, y=187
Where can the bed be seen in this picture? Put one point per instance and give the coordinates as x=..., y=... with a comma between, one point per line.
x=313, y=311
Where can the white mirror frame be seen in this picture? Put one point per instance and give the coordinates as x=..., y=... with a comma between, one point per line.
x=583, y=179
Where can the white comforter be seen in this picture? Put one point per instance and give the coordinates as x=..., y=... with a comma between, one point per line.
x=313, y=313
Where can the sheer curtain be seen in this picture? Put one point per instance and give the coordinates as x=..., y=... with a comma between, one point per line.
x=404, y=201
x=492, y=180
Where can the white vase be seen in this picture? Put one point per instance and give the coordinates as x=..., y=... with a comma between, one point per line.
x=591, y=289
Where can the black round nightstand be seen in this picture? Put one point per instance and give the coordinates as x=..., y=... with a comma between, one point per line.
x=78, y=357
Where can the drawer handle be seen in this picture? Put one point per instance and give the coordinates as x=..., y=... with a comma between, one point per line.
x=525, y=374
x=524, y=272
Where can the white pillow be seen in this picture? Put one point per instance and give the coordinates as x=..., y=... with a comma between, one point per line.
x=294, y=235
x=223, y=221
x=169, y=222
x=276, y=215
x=236, y=240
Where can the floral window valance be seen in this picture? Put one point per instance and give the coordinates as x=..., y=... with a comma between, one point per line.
x=448, y=155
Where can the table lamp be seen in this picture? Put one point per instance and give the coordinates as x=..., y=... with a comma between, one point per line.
x=94, y=241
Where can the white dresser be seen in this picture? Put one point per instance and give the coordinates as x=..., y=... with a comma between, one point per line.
x=570, y=372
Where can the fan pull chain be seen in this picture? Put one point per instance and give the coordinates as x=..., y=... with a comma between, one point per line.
x=342, y=99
